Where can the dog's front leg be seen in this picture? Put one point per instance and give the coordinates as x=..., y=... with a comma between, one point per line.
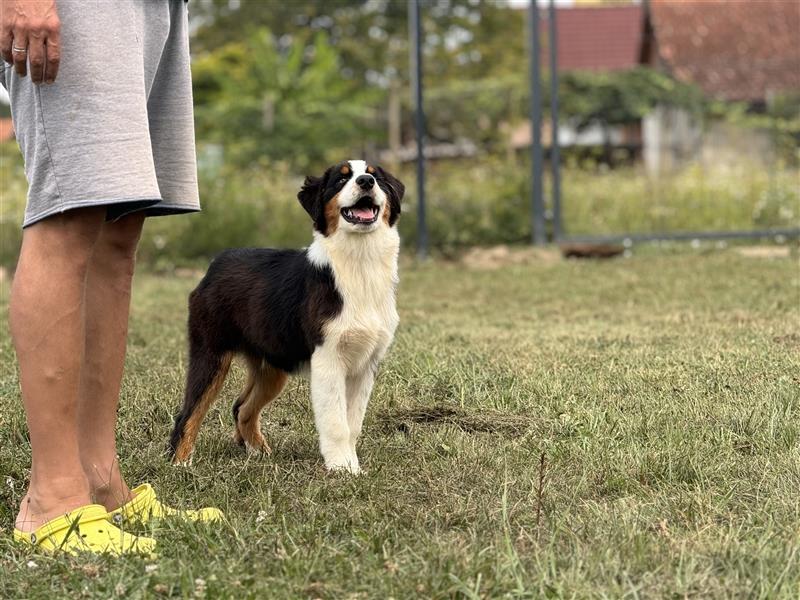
x=329, y=400
x=359, y=389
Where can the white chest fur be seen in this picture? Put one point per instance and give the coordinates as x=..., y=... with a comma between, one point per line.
x=365, y=272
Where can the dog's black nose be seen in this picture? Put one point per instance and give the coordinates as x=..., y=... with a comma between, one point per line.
x=365, y=182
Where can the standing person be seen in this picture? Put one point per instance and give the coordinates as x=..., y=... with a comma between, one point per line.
x=101, y=101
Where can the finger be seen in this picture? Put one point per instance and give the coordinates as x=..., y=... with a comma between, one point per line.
x=5, y=45
x=36, y=56
x=19, y=52
x=53, y=52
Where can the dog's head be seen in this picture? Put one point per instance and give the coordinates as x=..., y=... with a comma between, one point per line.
x=353, y=197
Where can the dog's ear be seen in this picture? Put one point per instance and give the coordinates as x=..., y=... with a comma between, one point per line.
x=310, y=197
x=310, y=193
x=395, y=190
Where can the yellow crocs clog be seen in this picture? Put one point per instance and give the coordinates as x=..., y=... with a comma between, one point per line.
x=85, y=529
x=145, y=507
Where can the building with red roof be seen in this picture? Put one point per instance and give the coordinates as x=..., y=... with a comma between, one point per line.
x=600, y=38
x=736, y=50
x=743, y=51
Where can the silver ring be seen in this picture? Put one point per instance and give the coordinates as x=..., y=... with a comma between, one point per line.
x=15, y=49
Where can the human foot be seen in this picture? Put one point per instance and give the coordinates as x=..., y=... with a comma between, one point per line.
x=106, y=482
x=43, y=503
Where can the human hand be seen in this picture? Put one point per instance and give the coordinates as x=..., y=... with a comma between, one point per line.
x=30, y=33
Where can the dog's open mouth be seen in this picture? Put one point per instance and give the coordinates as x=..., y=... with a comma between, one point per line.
x=363, y=212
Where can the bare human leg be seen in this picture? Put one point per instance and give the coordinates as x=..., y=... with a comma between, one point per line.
x=107, y=301
x=47, y=321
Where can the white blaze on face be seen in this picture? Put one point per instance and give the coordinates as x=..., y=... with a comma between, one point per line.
x=359, y=166
x=352, y=192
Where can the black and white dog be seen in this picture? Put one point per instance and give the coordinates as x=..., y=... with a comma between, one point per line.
x=328, y=310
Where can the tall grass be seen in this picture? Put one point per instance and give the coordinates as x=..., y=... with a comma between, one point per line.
x=697, y=198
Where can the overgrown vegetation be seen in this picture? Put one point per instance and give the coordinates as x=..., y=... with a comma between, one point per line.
x=480, y=202
x=661, y=391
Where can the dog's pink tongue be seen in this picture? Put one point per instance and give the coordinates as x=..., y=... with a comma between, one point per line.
x=365, y=214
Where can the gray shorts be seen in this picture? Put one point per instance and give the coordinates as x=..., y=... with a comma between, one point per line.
x=116, y=129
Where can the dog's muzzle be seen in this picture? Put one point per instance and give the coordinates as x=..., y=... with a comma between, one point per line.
x=363, y=212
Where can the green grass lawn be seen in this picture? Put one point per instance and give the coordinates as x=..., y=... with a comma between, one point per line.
x=562, y=429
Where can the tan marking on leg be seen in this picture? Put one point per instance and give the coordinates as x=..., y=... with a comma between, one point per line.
x=252, y=370
x=269, y=383
x=192, y=426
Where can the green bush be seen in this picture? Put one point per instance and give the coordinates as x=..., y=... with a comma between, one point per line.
x=257, y=207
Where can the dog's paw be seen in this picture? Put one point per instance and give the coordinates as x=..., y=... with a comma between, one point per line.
x=251, y=438
x=258, y=447
x=343, y=466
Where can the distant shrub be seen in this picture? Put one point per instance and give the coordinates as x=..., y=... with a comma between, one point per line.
x=257, y=207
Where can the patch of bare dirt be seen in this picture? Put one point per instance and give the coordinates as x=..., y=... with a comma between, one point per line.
x=485, y=421
x=791, y=339
x=496, y=257
x=578, y=250
x=765, y=251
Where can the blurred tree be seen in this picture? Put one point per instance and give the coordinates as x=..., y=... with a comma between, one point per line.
x=469, y=40
x=482, y=110
x=618, y=97
x=464, y=39
x=621, y=97
x=293, y=106
x=368, y=34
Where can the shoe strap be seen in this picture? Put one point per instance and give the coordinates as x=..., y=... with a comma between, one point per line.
x=143, y=500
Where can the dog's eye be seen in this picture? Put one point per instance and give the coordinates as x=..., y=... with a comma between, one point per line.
x=344, y=176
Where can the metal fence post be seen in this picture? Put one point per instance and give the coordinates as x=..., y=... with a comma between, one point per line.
x=538, y=235
x=555, y=148
x=415, y=28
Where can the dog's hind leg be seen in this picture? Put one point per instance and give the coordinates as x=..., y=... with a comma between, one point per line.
x=265, y=382
x=207, y=372
x=253, y=366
